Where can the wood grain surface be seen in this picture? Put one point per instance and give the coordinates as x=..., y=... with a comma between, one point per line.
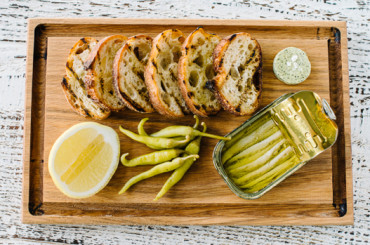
x=196, y=187
x=12, y=45
x=51, y=116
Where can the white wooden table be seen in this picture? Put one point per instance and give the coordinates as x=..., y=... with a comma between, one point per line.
x=13, y=26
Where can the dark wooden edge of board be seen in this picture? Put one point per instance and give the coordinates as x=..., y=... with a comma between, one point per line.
x=35, y=211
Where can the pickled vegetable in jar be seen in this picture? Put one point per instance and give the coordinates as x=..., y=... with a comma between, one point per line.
x=275, y=142
x=259, y=155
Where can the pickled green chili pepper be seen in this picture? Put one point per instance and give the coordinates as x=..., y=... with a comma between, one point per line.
x=192, y=148
x=246, y=165
x=174, y=131
x=141, y=131
x=161, y=168
x=245, y=133
x=151, y=158
x=259, y=134
x=280, y=158
x=262, y=181
x=257, y=150
x=157, y=142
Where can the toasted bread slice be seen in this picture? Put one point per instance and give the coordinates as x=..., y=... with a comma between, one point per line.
x=73, y=85
x=195, y=69
x=99, y=75
x=128, y=73
x=237, y=61
x=161, y=74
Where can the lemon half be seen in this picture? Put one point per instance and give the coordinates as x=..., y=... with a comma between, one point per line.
x=84, y=158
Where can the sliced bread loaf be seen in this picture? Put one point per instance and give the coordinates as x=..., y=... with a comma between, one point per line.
x=128, y=73
x=99, y=74
x=73, y=85
x=195, y=69
x=161, y=74
x=238, y=64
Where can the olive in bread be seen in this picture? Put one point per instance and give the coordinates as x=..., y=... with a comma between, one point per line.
x=128, y=73
x=237, y=61
x=161, y=74
x=73, y=84
x=195, y=69
x=99, y=74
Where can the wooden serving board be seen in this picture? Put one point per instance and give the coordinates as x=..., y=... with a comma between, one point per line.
x=319, y=193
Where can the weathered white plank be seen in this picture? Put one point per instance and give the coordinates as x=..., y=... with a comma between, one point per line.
x=13, y=16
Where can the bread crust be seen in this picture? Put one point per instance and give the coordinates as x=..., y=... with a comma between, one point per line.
x=116, y=76
x=71, y=97
x=183, y=80
x=216, y=84
x=150, y=70
x=91, y=76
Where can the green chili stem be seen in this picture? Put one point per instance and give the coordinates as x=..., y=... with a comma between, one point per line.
x=196, y=124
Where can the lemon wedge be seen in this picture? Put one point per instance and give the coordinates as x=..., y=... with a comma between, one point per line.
x=84, y=158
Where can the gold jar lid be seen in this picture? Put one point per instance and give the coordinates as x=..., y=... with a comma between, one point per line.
x=306, y=119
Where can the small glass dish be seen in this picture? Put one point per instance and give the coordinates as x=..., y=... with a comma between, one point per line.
x=305, y=122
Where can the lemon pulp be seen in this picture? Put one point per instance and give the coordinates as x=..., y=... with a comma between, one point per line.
x=83, y=159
